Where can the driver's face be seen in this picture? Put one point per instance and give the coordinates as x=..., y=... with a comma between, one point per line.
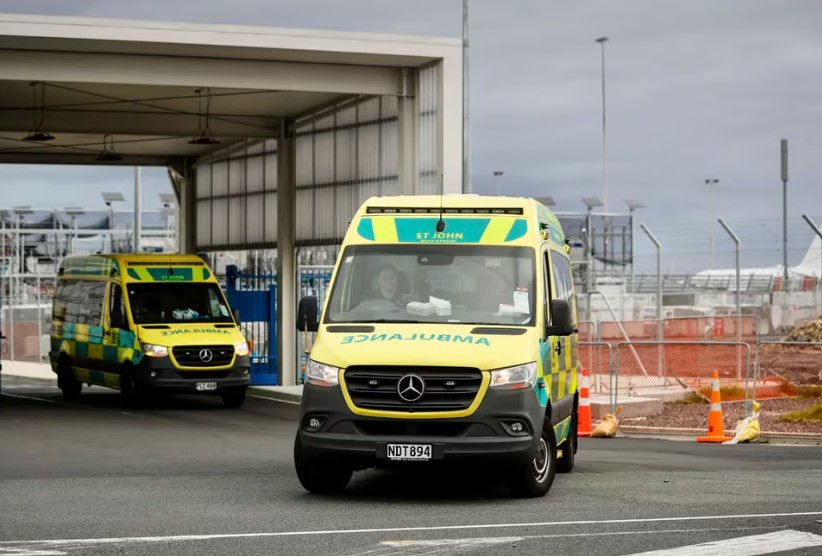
x=388, y=283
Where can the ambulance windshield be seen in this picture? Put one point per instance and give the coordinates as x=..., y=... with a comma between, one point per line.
x=460, y=284
x=164, y=303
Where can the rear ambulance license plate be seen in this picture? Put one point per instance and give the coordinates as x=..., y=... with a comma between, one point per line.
x=206, y=386
x=409, y=452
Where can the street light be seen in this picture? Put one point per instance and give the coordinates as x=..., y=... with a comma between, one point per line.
x=169, y=209
x=711, y=182
x=591, y=203
x=602, y=41
x=633, y=204
x=74, y=212
x=547, y=201
x=659, y=322
x=110, y=198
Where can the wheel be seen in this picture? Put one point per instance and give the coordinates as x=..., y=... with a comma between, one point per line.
x=70, y=386
x=320, y=476
x=234, y=397
x=534, y=479
x=131, y=390
x=565, y=464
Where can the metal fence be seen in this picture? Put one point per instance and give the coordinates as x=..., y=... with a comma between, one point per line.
x=314, y=280
x=664, y=386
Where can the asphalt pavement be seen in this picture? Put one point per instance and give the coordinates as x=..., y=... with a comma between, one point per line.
x=187, y=476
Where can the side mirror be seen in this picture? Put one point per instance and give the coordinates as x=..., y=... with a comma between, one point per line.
x=118, y=320
x=308, y=314
x=562, y=319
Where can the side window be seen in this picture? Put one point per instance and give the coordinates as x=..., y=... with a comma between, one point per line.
x=546, y=279
x=80, y=301
x=116, y=305
x=562, y=277
x=92, y=312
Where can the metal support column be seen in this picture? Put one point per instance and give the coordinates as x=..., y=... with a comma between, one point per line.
x=286, y=264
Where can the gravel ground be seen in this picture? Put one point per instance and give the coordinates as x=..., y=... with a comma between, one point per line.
x=695, y=417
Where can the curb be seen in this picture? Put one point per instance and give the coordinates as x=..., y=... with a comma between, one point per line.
x=764, y=439
x=4, y=376
x=283, y=397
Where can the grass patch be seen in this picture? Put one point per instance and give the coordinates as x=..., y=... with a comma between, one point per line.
x=808, y=415
x=727, y=392
x=691, y=399
x=810, y=391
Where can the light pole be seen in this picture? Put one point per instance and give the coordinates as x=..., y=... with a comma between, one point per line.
x=818, y=232
x=633, y=204
x=466, y=116
x=784, y=172
x=110, y=198
x=590, y=203
x=711, y=183
x=659, y=322
x=138, y=225
x=602, y=41
x=169, y=209
x=73, y=213
x=498, y=178
x=738, y=247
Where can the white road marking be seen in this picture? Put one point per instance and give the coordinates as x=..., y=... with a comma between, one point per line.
x=451, y=542
x=29, y=398
x=779, y=541
x=169, y=538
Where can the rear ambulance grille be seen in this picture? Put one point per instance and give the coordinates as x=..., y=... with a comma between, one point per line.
x=446, y=388
x=203, y=356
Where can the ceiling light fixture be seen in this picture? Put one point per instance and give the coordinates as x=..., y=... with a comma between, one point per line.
x=204, y=134
x=108, y=154
x=38, y=110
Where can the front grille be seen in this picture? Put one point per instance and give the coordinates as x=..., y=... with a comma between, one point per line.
x=401, y=427
x=446, y=388
x=191, y=356
x=203, y=375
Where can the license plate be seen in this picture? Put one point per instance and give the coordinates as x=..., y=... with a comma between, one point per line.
x=409, y=452
x=206, y=386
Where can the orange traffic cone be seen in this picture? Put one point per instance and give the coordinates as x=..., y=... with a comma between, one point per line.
x=584, y=410
x=716, y=429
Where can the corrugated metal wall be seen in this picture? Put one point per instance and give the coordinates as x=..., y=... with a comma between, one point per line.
x=237, y=199
x=345, y=154
x=429, y=130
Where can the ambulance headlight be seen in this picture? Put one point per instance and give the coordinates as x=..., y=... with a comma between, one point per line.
x=322, y=375
x=512, y=378
x=241, y=349
x=153, y=350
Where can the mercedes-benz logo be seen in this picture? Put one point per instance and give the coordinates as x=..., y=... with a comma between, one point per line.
x=206, y=356
x=411, y=388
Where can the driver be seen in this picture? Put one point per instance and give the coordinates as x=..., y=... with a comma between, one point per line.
x=388, y=283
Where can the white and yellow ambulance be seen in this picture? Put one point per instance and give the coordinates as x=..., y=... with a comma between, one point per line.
x=144, y=323
x=449, y=334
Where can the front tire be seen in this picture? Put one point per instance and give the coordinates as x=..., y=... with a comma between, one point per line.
x=131, y=391
x=535, y=479
x=70, y=386
x=234, y=397
x=329, y=478
x=565, y=464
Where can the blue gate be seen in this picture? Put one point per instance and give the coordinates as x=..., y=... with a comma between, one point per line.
x=255, y=297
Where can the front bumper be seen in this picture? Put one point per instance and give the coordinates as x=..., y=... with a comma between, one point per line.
x=159, y=373
x=486, y=435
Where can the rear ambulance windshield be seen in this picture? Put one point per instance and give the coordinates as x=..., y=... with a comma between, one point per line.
x=164, y=303
x=463, y=284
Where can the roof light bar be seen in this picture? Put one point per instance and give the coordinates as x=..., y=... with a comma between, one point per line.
x=435, y=210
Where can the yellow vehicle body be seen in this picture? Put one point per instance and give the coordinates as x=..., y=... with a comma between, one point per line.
x=143, y=323
x=481, y=277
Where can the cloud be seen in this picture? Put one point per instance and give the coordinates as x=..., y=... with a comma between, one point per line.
x=695, y=89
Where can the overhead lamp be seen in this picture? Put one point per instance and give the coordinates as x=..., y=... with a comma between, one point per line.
x=108, y=154
x=634, y=204
x=38, y=109
x=204, y=135
x=592, y=202
x=547, y=201
x=168, y=199
x=113, y=197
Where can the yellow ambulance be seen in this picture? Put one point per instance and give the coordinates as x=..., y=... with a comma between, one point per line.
x=145, y=323
x=448, y=335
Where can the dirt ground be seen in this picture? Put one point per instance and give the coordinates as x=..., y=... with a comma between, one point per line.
x=694, y=417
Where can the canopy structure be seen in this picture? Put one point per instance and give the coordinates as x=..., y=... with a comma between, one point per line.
x=272, y=137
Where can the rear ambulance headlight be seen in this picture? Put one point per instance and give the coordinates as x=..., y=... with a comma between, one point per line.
x=322, y=375
x=241, y=349
x=153, y=350
x=521, y=376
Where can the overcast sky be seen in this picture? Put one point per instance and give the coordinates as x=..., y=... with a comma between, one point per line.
x=697, y=89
